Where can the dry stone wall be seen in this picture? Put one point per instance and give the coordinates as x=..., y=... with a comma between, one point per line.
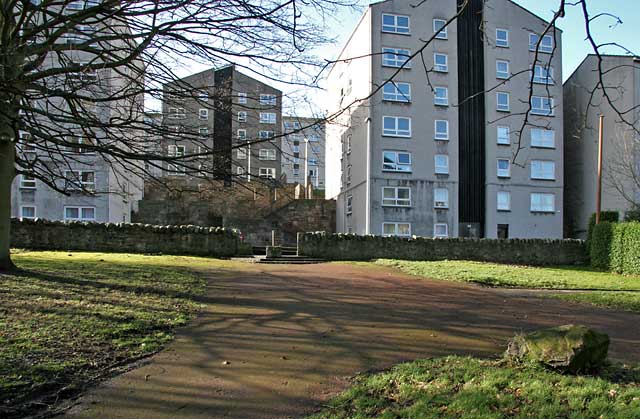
x=516, y=251
x=129, y=238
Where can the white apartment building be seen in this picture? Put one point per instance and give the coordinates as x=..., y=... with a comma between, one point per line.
x=96, y=188
x=303, y=150
x=435, y=145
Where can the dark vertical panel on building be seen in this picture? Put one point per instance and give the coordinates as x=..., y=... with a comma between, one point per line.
x=222, y=117
x=471, y=120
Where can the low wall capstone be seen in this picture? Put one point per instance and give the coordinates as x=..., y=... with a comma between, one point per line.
x=131, y=238
x=514, y=251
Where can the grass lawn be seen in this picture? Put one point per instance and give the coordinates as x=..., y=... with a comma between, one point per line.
x=69, y=318
x=467, y=388
x=559, y=277
x=609, y=290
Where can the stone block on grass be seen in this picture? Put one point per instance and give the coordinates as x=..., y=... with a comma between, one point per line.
x=568, y=348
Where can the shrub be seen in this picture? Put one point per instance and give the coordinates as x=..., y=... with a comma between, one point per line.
x=600, y=245
x=605, y=216
x=616, y=247
x=632, y=215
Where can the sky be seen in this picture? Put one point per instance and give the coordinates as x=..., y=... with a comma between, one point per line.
x=310, y=102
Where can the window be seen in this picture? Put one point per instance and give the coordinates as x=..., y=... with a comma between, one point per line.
x=440, y=62
x=265, y=135
x=503, y=201
x=395, y=24
x=26, y=142
x=543, y=75
x=441, y=129
x=242, y=98
x=396, y=161
x=441, y=198
x=442, y=164
x=546, y=45
x=349, y=175
x=313, y=138
x=266, y=154
x=79, y=214
x=502, y=101
x=267, y=118
x=27, y=182
x=83, y=73
x=242, y=116
x=396, y=229
x=397, y=92
x=27, y=212
x=440, y=230
x=203, y=96
x=80, y=180
x=441, y=96
x=268, y=100
x=396, y=197
x=203, y=113
x=504, y=168
x=312, y=162
x=349, y=144
x=291, y=126
x=242, y=154
x=544, y=138
x=542, y=105
x=503, y=136
x=242, y=134
x=543, y=170
x=267, y=172
x=543, y=202
x=396, y=57
x=296, y=172
x=349, y=204
x=203, y=132
x=295, y=148
x=439, y=28
x=76, y=144
x=502, y=38
x=503, y=231
x=177, y=113
x=502, y=69
x=176, y=150
x=396, y=126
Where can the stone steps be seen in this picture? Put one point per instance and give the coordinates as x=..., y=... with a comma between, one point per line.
x=291, y=260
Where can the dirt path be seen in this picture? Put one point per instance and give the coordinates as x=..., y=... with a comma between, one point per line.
x=275, y=341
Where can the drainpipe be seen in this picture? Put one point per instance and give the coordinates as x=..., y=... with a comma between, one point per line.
x=368, y=183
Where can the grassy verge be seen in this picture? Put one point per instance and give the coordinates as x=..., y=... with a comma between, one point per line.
x=466, y=388
x=68, y=318
x=559, y=277
x=628, y=301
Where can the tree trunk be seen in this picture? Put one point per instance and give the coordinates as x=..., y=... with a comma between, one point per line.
x=7, y=173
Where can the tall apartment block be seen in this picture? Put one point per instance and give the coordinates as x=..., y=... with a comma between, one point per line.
x=584, y=103
x=97, y=189
x=427, y=146
x=230, y=113
x=303, y=150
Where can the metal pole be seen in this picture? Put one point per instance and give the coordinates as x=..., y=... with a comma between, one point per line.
x=249, y=162
x=306, y=168
x=599, y=194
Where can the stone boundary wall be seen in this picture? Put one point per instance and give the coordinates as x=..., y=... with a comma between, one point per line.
x=131, y=238
x=514, y=251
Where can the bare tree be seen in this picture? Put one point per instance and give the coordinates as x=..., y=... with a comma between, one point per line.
x=75, y=75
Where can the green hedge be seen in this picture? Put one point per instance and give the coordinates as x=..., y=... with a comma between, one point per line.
x=616, y=247
x=605, y=216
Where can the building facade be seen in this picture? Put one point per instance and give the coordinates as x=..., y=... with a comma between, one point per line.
x=584, y=103
x=436, y=144
x=224, y=119
x=89, y=186
x=303, y=150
